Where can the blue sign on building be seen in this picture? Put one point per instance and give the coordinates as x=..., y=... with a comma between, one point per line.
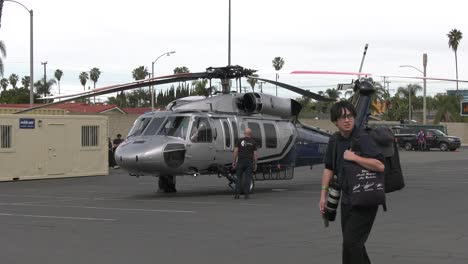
x=27, y=123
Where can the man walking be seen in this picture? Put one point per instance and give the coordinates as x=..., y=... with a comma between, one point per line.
x=245, y=158
x=356, y=221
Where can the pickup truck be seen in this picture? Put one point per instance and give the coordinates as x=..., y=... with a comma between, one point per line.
x=434, y=139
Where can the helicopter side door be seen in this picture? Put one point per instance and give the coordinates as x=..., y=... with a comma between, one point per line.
x=200, y=143
x=223, y=141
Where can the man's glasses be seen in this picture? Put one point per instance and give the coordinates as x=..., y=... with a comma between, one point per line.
x=348, y=116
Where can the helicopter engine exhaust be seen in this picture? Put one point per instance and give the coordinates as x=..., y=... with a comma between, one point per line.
x=255, y=103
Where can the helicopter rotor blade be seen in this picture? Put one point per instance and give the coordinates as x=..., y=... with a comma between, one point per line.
x=128, y=86
x=331, y=73
x=378, y=75
x=296, y=90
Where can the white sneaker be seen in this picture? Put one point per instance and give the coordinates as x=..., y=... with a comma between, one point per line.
x=116, y=167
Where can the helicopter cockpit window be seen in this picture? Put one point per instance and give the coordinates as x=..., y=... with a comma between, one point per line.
x=201, y=130
x=175, y=126
x=153, y=127
x=139, y=126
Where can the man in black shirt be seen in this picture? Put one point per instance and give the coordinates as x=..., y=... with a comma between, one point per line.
x=115, y=143
x=356, y=222
x=245, y=158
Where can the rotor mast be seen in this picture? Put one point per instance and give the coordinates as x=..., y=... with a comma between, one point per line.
x=225, y=83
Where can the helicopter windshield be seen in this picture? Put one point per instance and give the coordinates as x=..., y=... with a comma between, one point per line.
x=175, y=126
x=139, y=126
x=153, y=127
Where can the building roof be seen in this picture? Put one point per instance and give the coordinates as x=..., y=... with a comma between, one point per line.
x=85, y=108
x=137, y=110
x=72, y=107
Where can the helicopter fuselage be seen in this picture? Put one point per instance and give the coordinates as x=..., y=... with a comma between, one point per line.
x=191, y=143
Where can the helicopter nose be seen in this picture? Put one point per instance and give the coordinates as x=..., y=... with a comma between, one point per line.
x=174, y=155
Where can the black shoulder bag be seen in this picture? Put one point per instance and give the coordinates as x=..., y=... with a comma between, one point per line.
x=366, y=188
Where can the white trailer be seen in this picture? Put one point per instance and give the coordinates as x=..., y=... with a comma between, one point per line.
x=48, y=146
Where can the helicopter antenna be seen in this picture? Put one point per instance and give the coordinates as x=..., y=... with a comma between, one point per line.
x=363, y=57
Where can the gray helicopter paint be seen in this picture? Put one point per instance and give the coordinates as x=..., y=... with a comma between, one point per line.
x=143, y=155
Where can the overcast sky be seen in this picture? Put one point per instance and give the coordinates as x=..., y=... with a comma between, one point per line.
x=118, y=36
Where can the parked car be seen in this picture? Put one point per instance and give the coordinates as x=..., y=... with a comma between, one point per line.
x=435, y=138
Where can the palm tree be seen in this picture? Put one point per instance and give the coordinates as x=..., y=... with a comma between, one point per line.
x=333, y=93
x=43, y=87
x=454, y=39
x=4, y=83
x=13, y=80
x=252, y=81
x=448, y=108
x=408, y=93
x=25, y=82
x=58, y=75
x=3, y=54
x=94, y=76
x=278, y=63
x=182, y=69
x=140, y=73
x=83, y=79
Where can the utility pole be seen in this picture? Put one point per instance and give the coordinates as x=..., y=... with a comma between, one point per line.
x=424, y=88
x=45, y=76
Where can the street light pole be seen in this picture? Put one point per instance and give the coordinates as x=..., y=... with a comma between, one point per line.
x=424, y=88
x=152, y=74
x=31, y=53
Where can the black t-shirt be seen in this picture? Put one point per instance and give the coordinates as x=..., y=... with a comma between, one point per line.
x=366, y=148
x=117, y=141
x=246, y=147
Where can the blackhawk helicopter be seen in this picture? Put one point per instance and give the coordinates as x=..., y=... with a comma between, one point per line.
x=197, y=135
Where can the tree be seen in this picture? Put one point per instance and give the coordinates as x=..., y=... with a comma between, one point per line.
x=278, y=63
x=83, y=77
x=94, y=76
x=13, y=80
x=16, y=96
x=4, y=83
x=252, y=81
x=3, y=54
x=25, y=82
x=454, y=39
x=44, y=87
x=200, y=87
x=140, y=73
x=182, y=69
x=58, y=75
x=448, y=109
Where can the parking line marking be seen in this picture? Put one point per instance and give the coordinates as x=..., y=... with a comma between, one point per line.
x=103, y=208
x=59, y=217
x=187, y=202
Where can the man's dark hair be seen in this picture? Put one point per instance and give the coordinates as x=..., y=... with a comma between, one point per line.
x=339, y=108
x=119, y=135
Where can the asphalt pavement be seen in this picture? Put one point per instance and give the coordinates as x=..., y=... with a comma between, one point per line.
x=121, y=219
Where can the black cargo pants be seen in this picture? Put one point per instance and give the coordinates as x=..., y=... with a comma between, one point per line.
x=244, y=176
x=356, y=224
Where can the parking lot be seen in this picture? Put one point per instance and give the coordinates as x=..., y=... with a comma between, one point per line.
x=121, y=219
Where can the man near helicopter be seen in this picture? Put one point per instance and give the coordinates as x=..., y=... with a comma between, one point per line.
x=356, y=221
x=245, y=159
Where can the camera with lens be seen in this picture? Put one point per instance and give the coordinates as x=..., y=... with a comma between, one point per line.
x=333, y=199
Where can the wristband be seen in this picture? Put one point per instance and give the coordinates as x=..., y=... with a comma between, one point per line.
x=324, y=187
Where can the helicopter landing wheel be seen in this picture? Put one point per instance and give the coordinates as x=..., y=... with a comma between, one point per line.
x=167, y=183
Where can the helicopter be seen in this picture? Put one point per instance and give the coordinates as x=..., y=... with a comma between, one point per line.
x=197, y=136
